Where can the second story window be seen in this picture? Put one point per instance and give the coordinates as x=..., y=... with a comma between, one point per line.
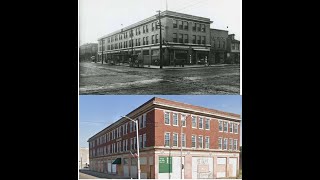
x=147, y=41
x=167, y=139
x=167, y=118
x=199, y=39
x=231, y=127
x=144, y=120
x=183, y=138
x=143, y=29
x=225, y=143
x=185, y=25
x=235, y=144
x=183, y=120
x=175, y=23
x=200, y=123
x=200, y=141
x=198, y=27
x=207, y=145
x=180, y=38
x=220, y=143
x=193, y=140
x=175, y=39
x=194, y=27
x=152, y=39
x=230, y=144
x=194, y=122
x=203, y=28
x=157, y=40
x=186, y=38
x=175, y=140
x=146, y=28
x=180, y=25
x=203, y=40
x=144, y=41
x=175, y=119
x=144, y=140
x=194, y=39
x=152, y=26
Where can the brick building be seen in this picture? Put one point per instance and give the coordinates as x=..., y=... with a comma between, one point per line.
x=218, y=50
x=88, y=50
x=186, y=39
x=233, y=48
x=210, y=143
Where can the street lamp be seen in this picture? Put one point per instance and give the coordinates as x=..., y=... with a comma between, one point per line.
x=138, y=144
x=181, y=144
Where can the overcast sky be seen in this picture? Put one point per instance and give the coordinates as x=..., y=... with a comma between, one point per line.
x=100, y=17
x=97, y=112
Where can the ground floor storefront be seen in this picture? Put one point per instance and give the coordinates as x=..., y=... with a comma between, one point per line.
x=166, y=164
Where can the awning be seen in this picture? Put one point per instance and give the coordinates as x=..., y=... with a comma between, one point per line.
x=117, y=161
x=201, y=49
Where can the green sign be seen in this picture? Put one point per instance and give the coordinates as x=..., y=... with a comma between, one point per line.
x=165, y=164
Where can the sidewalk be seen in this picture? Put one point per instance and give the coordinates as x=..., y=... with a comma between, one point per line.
x=102, y=175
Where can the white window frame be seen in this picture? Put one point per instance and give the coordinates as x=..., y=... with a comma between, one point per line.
x=195, y=143
x=235, y=144
x=194, y=123
x=200, y=136
x=144, y=140
x=230, y=144
x=164, y=118
x=225, y=129
x=231, y=127
x=207, y=120
x=173, y=119
x=237, y=125
x=174, y=140
x=185, y=142
x=165, y=133
x=207, y=143
x=220, y=143
x=220, y=123
x=185, y=120
x=200, y=118
x=140, y=122
x=225, y=143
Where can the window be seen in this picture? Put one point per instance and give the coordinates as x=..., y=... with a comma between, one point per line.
x=225, y=143
x=231, y=127
x=157, y=38
x=183, y=120
x=183, y=137
x=200, y=123
x=230, y=144
x=167, y=118
x=144, y=120
x=130, y=126
x=147, y=40
x=140, y=122
x=175, y=23
x=124, y=145
x=199, y=28
x=207, y=124
x=167, y=139
x=223, y=44
x=185, y=25
x=126, y=128
x=143, y=29
x=134, y=126
x=180, y=25
x=203, y=40
x=194, y=26
x=146, y=28
x=199, y=39
x=152, y=39
x=200, y=141
x=140, y=141
x=144, y=140
x=175, y=140
x=193, y=139
x=135, y=143
x=194, y=39
x=152, y=26
x=235, y=144
x=194, y=122
x=220, y=143
x=235, y=128
x=207, y=145
x=175, y=38
x=186, y=38
x=175, y=119
x=127, y=144
x=131, y=143
x=233, y=46
x=180, y=38
x=136, y=31
x=225, y=126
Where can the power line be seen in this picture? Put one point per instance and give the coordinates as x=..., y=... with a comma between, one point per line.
x=191, y=5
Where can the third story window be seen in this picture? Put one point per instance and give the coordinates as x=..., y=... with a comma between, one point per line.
x=167, y=118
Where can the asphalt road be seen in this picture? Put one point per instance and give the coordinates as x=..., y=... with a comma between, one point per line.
x=86, y=176
x=97, y=78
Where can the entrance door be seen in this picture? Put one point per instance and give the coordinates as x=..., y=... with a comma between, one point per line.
x=232, y=167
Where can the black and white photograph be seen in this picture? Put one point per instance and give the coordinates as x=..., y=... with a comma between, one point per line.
x=167, y=47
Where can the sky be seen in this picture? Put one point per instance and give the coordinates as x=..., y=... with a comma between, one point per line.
x=96, y=112
x=101, y=17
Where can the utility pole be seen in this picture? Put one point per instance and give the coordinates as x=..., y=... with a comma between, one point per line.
x=160, y=27
x=102, y=51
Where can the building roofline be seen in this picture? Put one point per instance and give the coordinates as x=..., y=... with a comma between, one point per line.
x=153, y=17
x=217, y=113
x=219, y=29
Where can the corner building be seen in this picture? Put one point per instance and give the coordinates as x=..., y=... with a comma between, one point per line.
x=185, y=38
x=209, y=139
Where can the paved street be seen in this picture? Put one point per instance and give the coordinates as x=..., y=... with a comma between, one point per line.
x=97, y=78
x=86, y=176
